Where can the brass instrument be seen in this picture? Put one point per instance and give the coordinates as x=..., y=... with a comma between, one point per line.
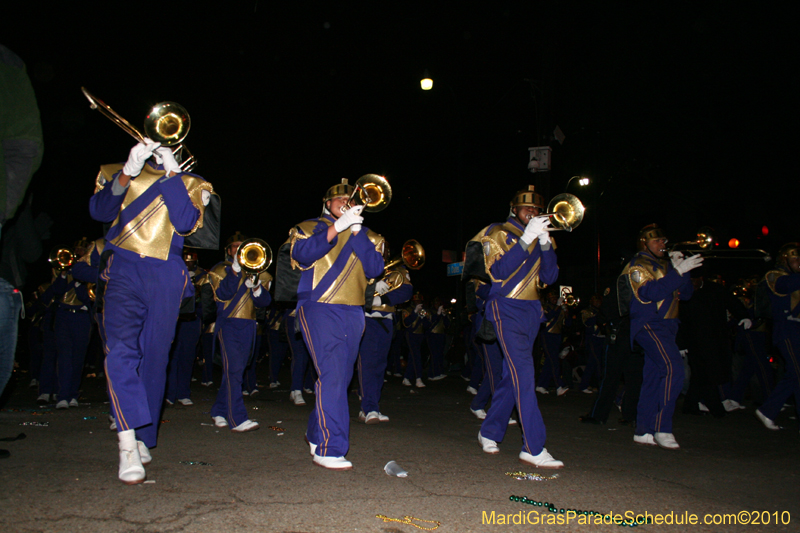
x=412, y=256
x=570, y=300
x=90, y=288
x=707, y=240
x=61, y=258
x=167, y=123
x=565, y=212
x=371, y=191
x=254, y=256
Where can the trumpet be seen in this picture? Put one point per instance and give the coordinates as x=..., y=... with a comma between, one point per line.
x=706, y=239
x=167, y=123
x=371, y=191
x=565, y=212
x=61, y=258
x=570, y=300
x=254, y=256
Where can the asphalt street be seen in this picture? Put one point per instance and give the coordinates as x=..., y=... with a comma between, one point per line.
x=62, y=476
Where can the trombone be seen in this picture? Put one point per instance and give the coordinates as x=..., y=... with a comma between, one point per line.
x=254, y=256
x=371, y=191
x=412, y=256
x=167, y=123
x=565, y=212
x=61, y=258
x=706, y=239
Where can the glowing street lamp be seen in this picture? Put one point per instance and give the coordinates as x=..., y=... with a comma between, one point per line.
x=426, y=83
x=583, y=181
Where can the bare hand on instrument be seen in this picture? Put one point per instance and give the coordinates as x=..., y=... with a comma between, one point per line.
x=536, y=229
x=165, y=157
x=684, y=265
x=351, y=217
x=139, y=154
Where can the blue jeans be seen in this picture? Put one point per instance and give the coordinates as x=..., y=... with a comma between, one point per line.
x=10, y=305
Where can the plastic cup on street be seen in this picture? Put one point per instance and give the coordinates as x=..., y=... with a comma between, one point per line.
x=394, y=469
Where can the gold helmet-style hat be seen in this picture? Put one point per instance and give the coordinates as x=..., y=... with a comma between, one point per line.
x=649, y=233
x=236, y=237
x=788, y=250
x=340, y=189
x=527, y=197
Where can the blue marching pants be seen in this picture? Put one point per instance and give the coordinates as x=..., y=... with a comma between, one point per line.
x=551, y=370
x=790, y=383
x=662, y=378
x=73, y=329
x=300, y=357
x=236, y=342
x=516, y=323
x=594, y=351
x=140, y=309
x=756, y=362
x=372, y=360
x=492, y=358
x=277, y=353
x=207, y=341
x=414, y=364
x=436, y=342
x=332, y=333
x=48, y=383
x=181, y=360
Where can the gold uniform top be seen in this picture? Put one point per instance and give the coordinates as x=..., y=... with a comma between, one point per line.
x=643, y=269
x=243, y=306
x=150, y=233
x=497, y=240
x=344, y=281
x=396, y=277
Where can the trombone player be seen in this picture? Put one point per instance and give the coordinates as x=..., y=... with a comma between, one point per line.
x=517, y=255
x=151, y=205
x=336, y=258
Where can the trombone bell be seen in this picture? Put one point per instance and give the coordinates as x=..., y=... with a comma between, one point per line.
x=167, y=123
x=371, y=191
x=412, y=256
x=254, y=256
x=565, y=212
x=61, y=258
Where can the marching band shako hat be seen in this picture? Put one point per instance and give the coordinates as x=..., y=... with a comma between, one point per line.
x=340, y=189
x=786, y=251
x=526, y=197
x=649, y=233
x=236, y=237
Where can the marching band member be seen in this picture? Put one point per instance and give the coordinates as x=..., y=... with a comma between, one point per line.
x=237, y=297
x=336, y=257
x=657, y=282
x=436, y=340
x=489, y=352
x=594, y=342
x=784, y=295
x=556, y=318
x=416, y=321
x=393, y=289
x=151, y=207
x=518, y=256
x=302, y=374
x=751, y=340
x=187, y=335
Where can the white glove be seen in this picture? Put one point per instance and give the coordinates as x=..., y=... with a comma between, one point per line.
x=534, y=230
x=746, y=323
x=168, y=160
x=440, y=311
x=683, y=353
x=78, y=284
x=544, y=238
x=139, y=154
x=257, y=292
x=376, y=301
x=560, y=301
x=381, y=288
x=418, y=308
x=564, y=353
x=349, y=218
x=236, y=266
x=684, y=265
x=64, y=274
x=249, y=283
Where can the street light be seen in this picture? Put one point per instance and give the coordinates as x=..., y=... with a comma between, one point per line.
x=583, y=181
x=426, y=83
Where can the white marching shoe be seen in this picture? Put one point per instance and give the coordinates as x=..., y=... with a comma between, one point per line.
x=543, y=460
x=333, y=463
x=768, y=423
x=131, y=471
x=144, y=453
x=185, y=401
x=419, y=383
x=542, y=390
x=480, y=414
x=220, y=421
x=732, y=405
x=247, y=425
x=296, y=397
x=646, y=439
x=666, y=441
x=489, y=446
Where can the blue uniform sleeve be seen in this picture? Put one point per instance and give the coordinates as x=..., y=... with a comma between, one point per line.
x=85, y=273
x=370, y=258
x=306, y=251
x=551, y=313
x=182, y=212
x=787, y=284
x=401, y=294
x=509, y=262
x=228, y=286
x=660, y=289
x=686, y=290
x=83, y=294
x=60, y=286
x=408, y=320
x=548, y=271
x=104, y=205
x=263, y=299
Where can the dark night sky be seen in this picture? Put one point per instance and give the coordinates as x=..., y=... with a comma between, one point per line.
x=679, y=111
